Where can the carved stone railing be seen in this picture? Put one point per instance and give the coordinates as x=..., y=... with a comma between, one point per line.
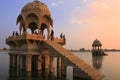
x=32, y=37
x=24, y=36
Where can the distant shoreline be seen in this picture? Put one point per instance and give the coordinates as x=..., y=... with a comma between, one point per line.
x=91, y=51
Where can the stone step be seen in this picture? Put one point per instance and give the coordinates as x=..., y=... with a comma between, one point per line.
x=93, y=73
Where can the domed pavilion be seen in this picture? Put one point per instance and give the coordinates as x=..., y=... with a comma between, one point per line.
x=97, y=48
x=30, y=45
x=35, y=16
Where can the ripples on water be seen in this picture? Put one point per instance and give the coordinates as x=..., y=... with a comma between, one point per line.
x=107, y=65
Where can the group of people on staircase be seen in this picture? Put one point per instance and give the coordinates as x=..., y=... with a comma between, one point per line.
x=52, y=35
x=61, y=36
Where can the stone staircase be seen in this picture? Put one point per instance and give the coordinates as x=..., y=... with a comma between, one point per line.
x=92, y=72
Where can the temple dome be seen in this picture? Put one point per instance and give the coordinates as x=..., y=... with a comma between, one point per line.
x=36, y=6
x=96, y=43
x=35, y=16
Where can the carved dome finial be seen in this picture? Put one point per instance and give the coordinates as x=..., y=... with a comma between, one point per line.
x=36, y=0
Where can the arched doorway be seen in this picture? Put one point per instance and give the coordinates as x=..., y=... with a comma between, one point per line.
x=32, y=26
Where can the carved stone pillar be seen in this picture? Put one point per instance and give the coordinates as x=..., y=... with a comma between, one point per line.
x=18, y=61
x=28, y=63
x=11, y=60
x=47, y=61
x=59, y=67
x=39, y=63
x=39, y=26
x=52, y=64
x=14, y=61
x=21, y=61
x=25, y=28
x=59, y=62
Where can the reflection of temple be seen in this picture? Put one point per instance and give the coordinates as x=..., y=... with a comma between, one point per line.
x=97, y=61
x=15, y=74
x=31, y=51
x=96, y=48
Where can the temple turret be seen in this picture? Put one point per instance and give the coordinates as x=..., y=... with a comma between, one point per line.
x=35, y=16
x=97, y=48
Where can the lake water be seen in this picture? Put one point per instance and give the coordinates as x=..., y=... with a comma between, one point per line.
x=107, y=65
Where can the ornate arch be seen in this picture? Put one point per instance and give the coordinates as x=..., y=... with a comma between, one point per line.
x=21, y=20
x=47, y=20
x=32, y=26
x=47, y=17
x=32, y=14
x=32, y=21
x=43, y=27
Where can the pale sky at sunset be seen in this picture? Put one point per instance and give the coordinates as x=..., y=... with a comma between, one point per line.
x=82, y=21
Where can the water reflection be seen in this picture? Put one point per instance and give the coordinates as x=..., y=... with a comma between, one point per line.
x=109, y=67
x=11, y=73
x=15, y=74
x=97, y=62
x=69, y=73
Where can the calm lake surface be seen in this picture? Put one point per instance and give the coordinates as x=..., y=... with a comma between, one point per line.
x=107, y=65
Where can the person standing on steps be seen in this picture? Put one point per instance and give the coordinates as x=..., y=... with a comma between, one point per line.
x=52, y=35
x=64, y=39
x=61, y=35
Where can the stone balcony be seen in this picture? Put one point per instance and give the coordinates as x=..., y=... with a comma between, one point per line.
x=26, y=41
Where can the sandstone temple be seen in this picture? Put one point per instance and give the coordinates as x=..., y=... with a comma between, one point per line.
x=32, y=49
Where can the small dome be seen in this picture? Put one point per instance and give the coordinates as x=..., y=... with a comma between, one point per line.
x=36, y=6
x=96, y=43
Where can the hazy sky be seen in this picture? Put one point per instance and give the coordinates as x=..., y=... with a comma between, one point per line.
x=82, y=21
